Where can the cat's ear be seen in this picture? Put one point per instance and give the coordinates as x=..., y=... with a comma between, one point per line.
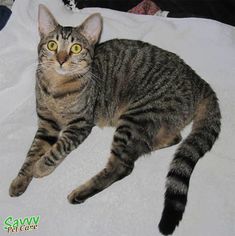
x=46, y=21
x=91, y=28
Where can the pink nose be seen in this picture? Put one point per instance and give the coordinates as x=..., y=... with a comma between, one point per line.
x=62, y=57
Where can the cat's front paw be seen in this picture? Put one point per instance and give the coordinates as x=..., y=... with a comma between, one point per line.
x=43, y=167
x=19, y=185
x=75, y=197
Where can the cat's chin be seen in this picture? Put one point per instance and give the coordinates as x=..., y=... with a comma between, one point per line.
x=61, y=71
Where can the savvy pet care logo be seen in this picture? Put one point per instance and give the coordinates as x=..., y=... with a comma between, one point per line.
x=28, y=223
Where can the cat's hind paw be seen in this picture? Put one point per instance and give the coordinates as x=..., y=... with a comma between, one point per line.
x=19, y=185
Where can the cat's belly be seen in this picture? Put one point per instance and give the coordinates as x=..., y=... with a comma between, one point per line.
x=105, y=122
x=106, y=118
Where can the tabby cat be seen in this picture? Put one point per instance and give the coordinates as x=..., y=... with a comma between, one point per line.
x=147, y=93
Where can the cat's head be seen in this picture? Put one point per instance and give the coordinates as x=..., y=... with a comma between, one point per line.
x=67, y=51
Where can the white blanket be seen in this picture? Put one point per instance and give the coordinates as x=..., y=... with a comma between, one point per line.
x=133, y=206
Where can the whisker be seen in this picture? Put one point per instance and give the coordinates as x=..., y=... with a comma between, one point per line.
x=95, y=78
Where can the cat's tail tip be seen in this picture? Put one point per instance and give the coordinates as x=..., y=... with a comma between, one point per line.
x=170, y=219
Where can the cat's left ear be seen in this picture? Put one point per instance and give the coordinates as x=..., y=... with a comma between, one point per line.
x=91, y=28
x=46, y=21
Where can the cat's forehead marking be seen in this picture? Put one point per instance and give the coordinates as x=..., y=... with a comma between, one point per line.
x=66, y=32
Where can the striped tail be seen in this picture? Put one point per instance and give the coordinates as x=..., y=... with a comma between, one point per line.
x=205, y=130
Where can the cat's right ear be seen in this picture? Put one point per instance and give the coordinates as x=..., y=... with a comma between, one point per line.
x=46, y=21
x=91, y=28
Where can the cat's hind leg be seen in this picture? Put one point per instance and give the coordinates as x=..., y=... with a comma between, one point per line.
x=127, y=146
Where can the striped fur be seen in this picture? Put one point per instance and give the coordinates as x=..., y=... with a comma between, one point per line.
x=148, y=94
x=206, y=128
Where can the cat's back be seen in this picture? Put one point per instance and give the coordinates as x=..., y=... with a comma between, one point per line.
x=133, y=58
x=127, y=49
x=117, y=45
x=131, y=68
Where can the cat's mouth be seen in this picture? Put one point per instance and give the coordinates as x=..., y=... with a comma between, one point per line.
x=61, y=71
x=71, y=72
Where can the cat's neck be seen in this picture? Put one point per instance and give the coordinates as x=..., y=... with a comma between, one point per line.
x=58, y=85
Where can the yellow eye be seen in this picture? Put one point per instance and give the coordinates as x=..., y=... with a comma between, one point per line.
x=76, y=48
x=52, y=45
